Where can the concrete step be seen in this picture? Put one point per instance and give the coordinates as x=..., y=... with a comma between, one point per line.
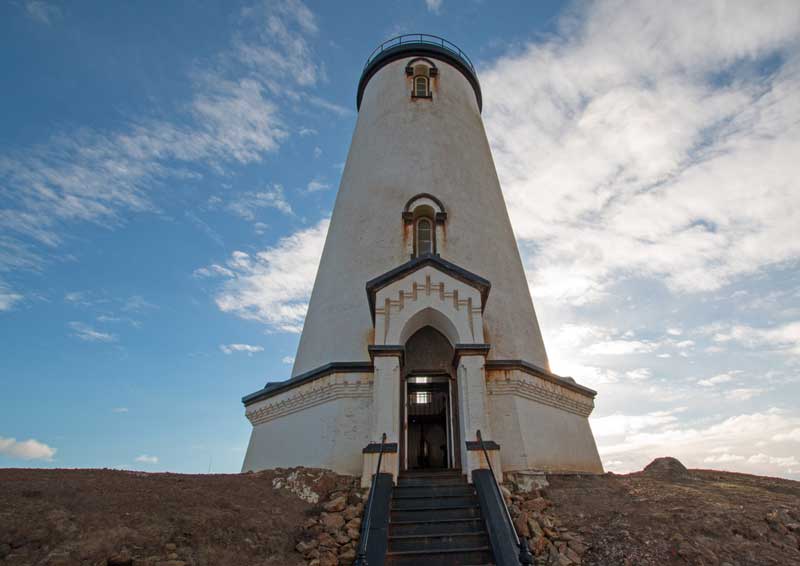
x=405, y=491
x=429, y=512
x=469, y=525
x=442, y=501
x=437, y=541
x=444, y=557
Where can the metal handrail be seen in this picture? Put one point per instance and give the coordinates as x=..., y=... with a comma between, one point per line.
x=361, y=556
x=425, y=38
x=525, y=556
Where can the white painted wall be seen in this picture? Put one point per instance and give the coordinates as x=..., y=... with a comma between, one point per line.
x=402, y=147
x=322, y=424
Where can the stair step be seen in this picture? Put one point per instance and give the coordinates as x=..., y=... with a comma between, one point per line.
x=434, y=502
x=404, y=491
x=438, y=541
x=421, y=482
x=427, y=513
x=469, y=525
x=450, y=556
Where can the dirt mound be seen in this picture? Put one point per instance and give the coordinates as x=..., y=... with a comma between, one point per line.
x=649, y=519
x=104, y=517
x=666, y=468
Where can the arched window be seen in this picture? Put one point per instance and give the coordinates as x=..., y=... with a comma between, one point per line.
x=421, y=84
x=424, y=236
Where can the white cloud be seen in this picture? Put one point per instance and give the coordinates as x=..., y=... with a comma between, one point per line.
x=273, y=286
x=212, y=270
x=639, y=374
x=651, y=140
x=234, y=116
x=782, y=338
x=41, y=11
x=26, y=450
x=119, y=410
x=8, y=298
x=434, y=6
x=317, y=152
x=89, y=334
x=716, y=380
x=287, y=359
x=620, y=347
x=247, y=348
x=635, y=440
x=743, y=393
x=147, y=459
x=317, y=185
x=248, y=204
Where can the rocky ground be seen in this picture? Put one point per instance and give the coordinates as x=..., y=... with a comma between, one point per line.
x=663, y=515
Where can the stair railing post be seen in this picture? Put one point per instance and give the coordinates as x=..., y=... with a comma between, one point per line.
x=525, y=557
x=361, y=556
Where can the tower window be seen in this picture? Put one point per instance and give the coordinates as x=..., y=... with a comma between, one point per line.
x=424, y=236
x=421, y=89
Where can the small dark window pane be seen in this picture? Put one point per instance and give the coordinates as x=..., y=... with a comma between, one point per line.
x=424, y=237
x=421, y=86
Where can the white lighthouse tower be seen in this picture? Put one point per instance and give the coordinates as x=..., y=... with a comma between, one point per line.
x=421, y=325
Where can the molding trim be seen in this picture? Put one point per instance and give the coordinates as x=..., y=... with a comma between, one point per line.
x=470, y=350
x=387, y=350
x=311, y=397
x=376, y=284
x=272, y=389
x=529, y=368
x=473, y=445
x=375, y=447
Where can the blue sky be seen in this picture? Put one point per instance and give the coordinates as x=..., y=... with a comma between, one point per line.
x=167, y=171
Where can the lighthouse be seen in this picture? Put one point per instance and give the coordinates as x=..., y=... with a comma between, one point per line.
x=421, y=330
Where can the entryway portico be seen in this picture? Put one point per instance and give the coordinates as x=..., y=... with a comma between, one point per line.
x=428, y=351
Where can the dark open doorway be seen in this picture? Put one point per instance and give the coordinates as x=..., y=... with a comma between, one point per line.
x=428, y=406
x=429, y=403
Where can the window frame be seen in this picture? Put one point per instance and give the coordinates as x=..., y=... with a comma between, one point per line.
x=431, y=236
x=427, y=82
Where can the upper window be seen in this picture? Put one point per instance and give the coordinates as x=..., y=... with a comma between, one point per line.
x=424, y=236
x=421, y=86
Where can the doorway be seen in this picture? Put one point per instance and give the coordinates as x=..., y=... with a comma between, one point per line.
x=429, y=407
x=428, y=434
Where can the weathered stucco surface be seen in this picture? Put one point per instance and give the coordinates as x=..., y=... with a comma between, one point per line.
x=402, y=147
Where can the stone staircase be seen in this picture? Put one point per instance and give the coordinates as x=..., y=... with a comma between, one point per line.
x=435, y=518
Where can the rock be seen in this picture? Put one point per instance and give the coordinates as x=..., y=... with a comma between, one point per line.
x=328, y=559
x=310, y=523
x=122, y=559
x=572, y=555
x=174, y=555
x=539, y=546
x=326, y=541
x=303, y=547
x=538, y=504
x=354, y=534
x=534, y=528
x=347, y=556
x=332, y=522
x=335, y=505
x=170, y=547
x=351, y=513
x=5, y=550
x=354, y=523
x=666, y=468
x=521, y=525
x=505, y=491
x=342, y=539
x=171, y=563
x=578, y=546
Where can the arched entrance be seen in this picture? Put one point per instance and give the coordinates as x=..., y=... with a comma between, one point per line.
x=428, y=419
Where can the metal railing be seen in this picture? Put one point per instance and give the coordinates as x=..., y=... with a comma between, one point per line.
x=525, y=557
x=361, y=555
x=423, y=38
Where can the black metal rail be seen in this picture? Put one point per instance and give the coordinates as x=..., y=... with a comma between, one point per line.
x=525, y=557
x=425, y=38
x=361, y=555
